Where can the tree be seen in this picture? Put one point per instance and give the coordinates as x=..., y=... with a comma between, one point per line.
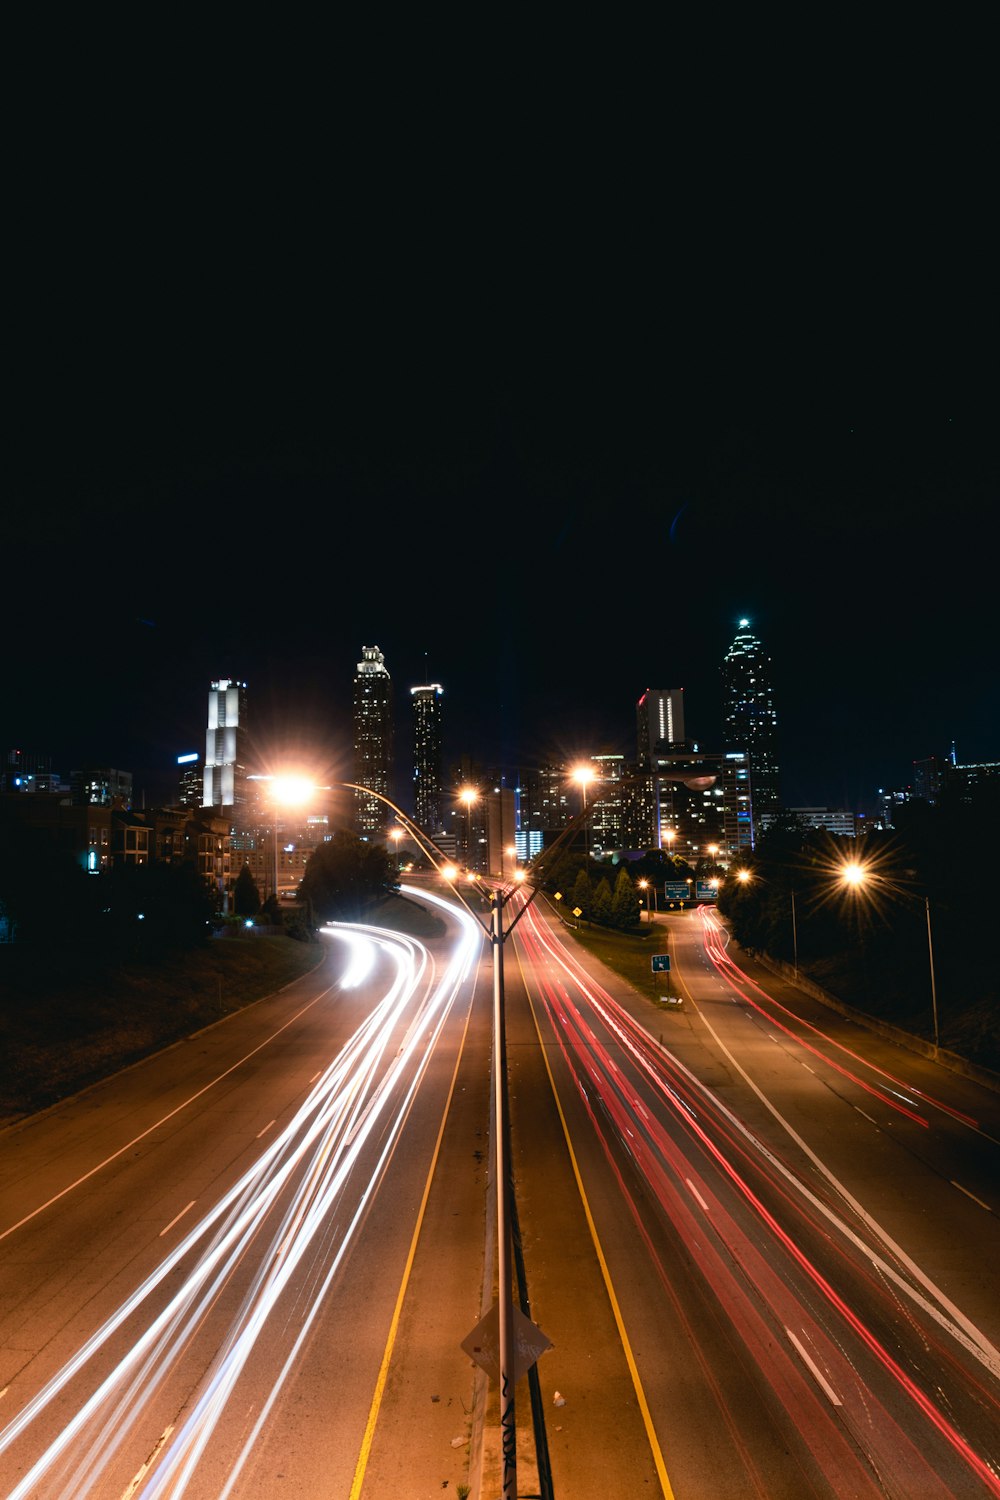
x=624, y=903
x=582, y=894
x=600, y=910
x=246, y=897
x=345, y=875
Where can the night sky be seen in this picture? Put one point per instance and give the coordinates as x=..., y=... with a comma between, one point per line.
x=541, y=445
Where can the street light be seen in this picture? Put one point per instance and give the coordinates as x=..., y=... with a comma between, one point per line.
x=396, y=834
x=669, y=836
x=857, y=876
x=285, y=791
x=582, y=775
x=743, y=876
x=795, y=939
x=468, y=795
x=650, y=887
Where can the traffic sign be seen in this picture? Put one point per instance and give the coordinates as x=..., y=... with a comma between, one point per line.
x=660, y=962
x=706, y=891
x=677, y=890
x=483, y=1343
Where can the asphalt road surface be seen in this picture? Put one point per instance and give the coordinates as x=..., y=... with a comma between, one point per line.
x=762, y=1243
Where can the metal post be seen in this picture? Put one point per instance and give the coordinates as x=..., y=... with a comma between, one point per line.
x=508, y=1438
x=930, y=955
x=795, y=940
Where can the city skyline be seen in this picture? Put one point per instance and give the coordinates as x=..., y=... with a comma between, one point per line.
x=545, y=563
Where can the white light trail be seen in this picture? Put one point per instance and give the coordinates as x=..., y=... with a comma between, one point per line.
x=363, y=1096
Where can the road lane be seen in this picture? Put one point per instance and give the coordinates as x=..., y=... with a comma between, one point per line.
x=168, y=1322
x=917, y=1400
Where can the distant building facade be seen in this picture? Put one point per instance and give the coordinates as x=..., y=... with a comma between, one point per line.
x=100, y=786
x=373, y=742
x=833, y=819
x=750, y=721
x=427, y=756
x=225, y=775
x=191, y=781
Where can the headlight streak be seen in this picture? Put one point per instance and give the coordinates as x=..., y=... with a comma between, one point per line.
x=588, y=1048
x=322, y=1143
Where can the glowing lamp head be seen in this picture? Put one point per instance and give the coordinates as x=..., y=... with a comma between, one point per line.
x=290, y=791
x=853, y=874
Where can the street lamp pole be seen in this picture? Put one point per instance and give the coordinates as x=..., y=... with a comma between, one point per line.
x=507, y=1352
x=795, y=940
x=507, y=1383
x=930, y=955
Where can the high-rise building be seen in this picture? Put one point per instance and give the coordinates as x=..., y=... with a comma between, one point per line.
x=749, y=717
x=225, y=774
x=659, y=716
x=737, y=797
x=659, y=722
x=427, y=763
x=372, y=741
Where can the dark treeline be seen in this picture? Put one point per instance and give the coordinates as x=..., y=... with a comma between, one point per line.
x=137, y=913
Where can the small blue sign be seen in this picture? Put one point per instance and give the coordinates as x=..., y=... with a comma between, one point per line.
x=660, y=962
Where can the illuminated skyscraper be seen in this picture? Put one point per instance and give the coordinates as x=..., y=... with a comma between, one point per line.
x=225, y=774
x=659, y=722
x=372, y=741
x=749, y=718
x=659, y=716
x=427, y=771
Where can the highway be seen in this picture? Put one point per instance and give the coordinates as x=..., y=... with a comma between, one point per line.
x=792, y=1285
x=763, y=1243
x=208, y=1263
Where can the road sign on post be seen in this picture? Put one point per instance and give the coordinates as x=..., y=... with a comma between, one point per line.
x=660, y=962
x=706, y=891
x=676, y=890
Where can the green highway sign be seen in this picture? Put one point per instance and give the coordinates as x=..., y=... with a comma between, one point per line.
x=660, y=962
x=676, y=890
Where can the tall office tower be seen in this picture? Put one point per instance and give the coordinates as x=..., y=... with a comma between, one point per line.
x=659, y=717
x=372, y=741
x=659, y=721
x=607, y=819
x=225, y=774
x=737, y=803
x=749, y=719
x=191, y=786
x=427, y=771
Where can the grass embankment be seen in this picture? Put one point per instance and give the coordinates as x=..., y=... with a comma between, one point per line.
x=629, y=954
x=68, y=1020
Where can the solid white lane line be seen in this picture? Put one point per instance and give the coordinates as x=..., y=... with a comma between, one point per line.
x=696, y=1194
x=265, y=1130
x=820, y=1379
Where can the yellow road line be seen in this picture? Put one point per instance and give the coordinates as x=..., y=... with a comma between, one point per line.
x=661, y=1467
x=383, y=1374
